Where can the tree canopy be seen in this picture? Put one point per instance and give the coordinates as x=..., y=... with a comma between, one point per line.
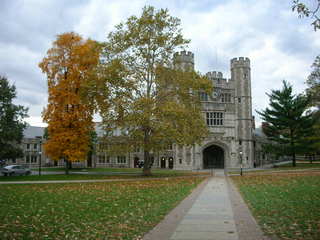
x=305, y=10
x=142, y=93
x=69, y=65
x=313, y=83
x=288, y=124
x=11, y=122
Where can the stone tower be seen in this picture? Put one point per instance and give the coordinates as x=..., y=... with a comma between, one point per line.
x=183, y=60
x=241, y=75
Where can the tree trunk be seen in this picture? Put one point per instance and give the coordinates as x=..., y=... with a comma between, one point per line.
x=292, y=149
x=147, y=165
x=293, y=159
x=67, y=167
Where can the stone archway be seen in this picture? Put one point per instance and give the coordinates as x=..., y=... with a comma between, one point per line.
x=213, y=157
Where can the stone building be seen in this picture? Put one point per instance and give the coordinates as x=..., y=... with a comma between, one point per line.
x=227, y=112
x=32, y=148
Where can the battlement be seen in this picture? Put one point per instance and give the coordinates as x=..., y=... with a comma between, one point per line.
x=214, y=74
x=240, y=62
x=184, y=56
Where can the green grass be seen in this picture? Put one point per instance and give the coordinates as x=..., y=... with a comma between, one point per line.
x=285, y=167
x=286, y=205
x=73, y=176
x=113, y=210
x=62, y=169
x=112, y=170
x=298, y=166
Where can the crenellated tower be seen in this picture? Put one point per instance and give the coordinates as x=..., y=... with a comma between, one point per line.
x=183, y=60
x=241, y=75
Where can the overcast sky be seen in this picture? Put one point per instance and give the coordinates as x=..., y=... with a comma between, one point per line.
x=278, y=43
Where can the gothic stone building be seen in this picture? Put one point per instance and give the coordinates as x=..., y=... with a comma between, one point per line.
x=227, y=112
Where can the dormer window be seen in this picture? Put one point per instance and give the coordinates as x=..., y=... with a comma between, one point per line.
x=203, y=96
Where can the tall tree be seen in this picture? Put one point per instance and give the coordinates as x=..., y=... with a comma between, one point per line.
x=313, y=83
x=287, y=122
x=313, y=90
x=315, y=137
x=141, y=93
x=11, y=122
x=69, y=65
x=310, y=11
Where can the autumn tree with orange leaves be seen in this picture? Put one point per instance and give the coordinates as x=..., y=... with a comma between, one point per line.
x=69, y=65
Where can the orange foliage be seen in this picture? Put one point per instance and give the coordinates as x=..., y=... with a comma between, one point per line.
x=69, y=65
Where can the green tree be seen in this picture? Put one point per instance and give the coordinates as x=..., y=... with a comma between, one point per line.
x=305, y=10
x=315, y=137
x=11, y=122
x=313, y=83
x=142, y=94
x=288, y=124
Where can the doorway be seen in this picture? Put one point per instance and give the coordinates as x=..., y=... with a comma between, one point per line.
x=213, y=157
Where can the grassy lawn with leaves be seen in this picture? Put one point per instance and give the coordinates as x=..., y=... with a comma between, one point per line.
x=285, y=167
x=299, y=165
x=286, y=204
x=158, y=173
x=112, y=210
x=62, y=169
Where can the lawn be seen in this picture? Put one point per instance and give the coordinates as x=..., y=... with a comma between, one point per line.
x=285, y=204
x=99, y=175
x=62, y=169
x=116, y=170
x=285, y=167
x=113, y=210
x=300, y=165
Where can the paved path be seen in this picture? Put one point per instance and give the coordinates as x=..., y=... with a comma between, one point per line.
x=210, y=217
x=215, y=210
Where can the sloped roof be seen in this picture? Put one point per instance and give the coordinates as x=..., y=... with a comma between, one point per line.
x=33, y=132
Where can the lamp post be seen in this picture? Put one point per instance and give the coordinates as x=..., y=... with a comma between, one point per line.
x=240, y=153
x=40, y=158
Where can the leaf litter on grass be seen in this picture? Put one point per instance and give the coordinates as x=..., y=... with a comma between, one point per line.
x=111, y=210
x=285, y=204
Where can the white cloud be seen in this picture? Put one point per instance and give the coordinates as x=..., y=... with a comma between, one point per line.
x=279, y=44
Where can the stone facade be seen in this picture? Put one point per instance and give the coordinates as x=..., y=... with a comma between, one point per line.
x=228, y=113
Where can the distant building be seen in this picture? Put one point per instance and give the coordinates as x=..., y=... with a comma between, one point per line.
x=32, y=147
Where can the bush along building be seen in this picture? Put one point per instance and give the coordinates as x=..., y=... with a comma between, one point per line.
x=232, y=141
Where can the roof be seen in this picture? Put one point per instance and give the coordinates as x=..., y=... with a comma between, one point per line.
x=33, y=132
x=98, y=129
x=258, y=132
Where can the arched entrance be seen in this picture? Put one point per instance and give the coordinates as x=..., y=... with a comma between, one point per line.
x=171, y=162
x=213, y=157
x=136, y=162
x=163, y=162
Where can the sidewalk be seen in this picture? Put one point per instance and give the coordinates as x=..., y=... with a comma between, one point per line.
x=211, y=216
x=217, y=212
